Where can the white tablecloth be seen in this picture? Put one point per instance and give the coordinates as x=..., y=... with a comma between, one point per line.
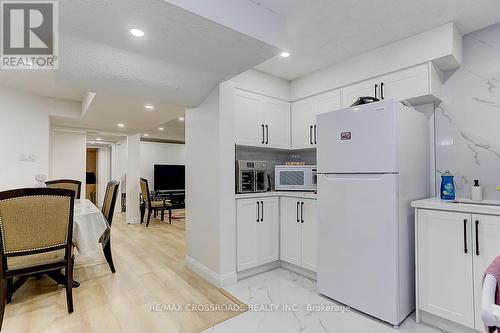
x=90, y=228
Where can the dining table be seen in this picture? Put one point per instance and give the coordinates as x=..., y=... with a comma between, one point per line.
x=91, y=232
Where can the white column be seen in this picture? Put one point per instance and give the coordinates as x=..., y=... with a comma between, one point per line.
x=132, y=178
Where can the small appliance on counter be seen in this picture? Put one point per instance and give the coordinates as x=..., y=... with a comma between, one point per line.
x=251, y=176
x=295, y=177
x=476, y=191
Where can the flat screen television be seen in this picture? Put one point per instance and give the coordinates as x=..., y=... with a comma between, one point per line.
x=169, y=177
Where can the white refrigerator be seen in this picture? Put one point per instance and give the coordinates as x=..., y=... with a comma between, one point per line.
x=372, y=161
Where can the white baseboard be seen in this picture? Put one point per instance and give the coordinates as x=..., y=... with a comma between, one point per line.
x=299, y=270
x=257, y=270
x=217, y=280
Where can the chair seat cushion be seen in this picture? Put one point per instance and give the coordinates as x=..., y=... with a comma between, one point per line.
x=35, y=259
x=160, y=204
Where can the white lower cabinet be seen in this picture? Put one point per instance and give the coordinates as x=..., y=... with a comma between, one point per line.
x=257, y=235
x=453, y=251
x=298, y=239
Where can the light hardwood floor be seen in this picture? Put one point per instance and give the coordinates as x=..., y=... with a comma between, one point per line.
x=149, y=270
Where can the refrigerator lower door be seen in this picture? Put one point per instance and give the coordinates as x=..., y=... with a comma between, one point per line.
x=358, y=242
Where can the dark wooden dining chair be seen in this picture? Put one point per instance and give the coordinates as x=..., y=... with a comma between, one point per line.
x=151, y=205
x=108, y=210
x=67, y=184
x=36, y=227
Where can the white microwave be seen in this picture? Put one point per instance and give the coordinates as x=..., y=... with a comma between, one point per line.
x=295, y=177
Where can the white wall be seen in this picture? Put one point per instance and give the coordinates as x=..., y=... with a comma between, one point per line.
x=25, y=129
x=263, y=84
x=69, y=156
x=160, y=153
x=202, y=182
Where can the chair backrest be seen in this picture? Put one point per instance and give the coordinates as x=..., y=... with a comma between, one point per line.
x=145, y=190
x=66, y=184
x=35, y=220
x=108, y=205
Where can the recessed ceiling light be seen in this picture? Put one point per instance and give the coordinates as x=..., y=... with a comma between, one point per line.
x=146, y=134
x=181, y=118
x=285, y=54
x=161, y=128
x=98, y=139
x=137, y=32
x=121, y=125
x=149, y=107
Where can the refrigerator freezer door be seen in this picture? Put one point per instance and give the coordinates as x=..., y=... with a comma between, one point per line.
x=358, y=242
x=360, y=139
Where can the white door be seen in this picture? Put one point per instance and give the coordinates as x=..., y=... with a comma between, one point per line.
x=407, y=83
x=303, y=121
x=290, y=231
x=268, y=231
x=350, y=94
x=248, y=118
x=326, y=102
x=247, y=213
x=358, y=242
x=445, y=265
x=485, y=250
x=309, y=234
x=277, y=121
x=358, y=140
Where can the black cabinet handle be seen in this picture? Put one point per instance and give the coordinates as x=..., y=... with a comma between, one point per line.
x=376, y=88
x=477, y=237
x=465, y=237
x=311, y=134
x=262, y=208
x=301, y=212
x=267, y=134
x=315, y=135
x=262, y=133
x=382, y=90
x=258, y=211
x=298, y=203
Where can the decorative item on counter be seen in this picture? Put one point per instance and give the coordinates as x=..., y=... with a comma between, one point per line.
x=447, y=186
x=40, y=180
x=477, y=191
x=498, y=188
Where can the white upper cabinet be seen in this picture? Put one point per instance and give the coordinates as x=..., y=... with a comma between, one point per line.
x=249, y=125
x=304, y=132
x=418, y=84
x=276, y=115
x=261, y=121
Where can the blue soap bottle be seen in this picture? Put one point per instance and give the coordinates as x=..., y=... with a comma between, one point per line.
x=447, y=186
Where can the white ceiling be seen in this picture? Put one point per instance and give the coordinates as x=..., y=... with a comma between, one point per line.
x=106, y=111
x=324, y=32
x=178, y=62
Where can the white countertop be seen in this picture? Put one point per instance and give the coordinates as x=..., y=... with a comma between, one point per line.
x=488, y=207
x=290, y=194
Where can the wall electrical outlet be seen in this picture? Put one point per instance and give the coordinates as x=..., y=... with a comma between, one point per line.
x=30, y=158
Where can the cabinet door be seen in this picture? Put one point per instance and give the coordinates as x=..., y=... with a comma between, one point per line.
x=290, y=231
x=277, y=119
x=444, y=266
x=366, y=88
x=248, y=119
x=246, y=233
x=407, y=83
x=309, y=235
x=268, y=232
x=329, y=101
x=487, y=228
x=303, y=119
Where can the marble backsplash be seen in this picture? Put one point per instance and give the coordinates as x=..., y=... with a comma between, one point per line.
x=467, y=122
